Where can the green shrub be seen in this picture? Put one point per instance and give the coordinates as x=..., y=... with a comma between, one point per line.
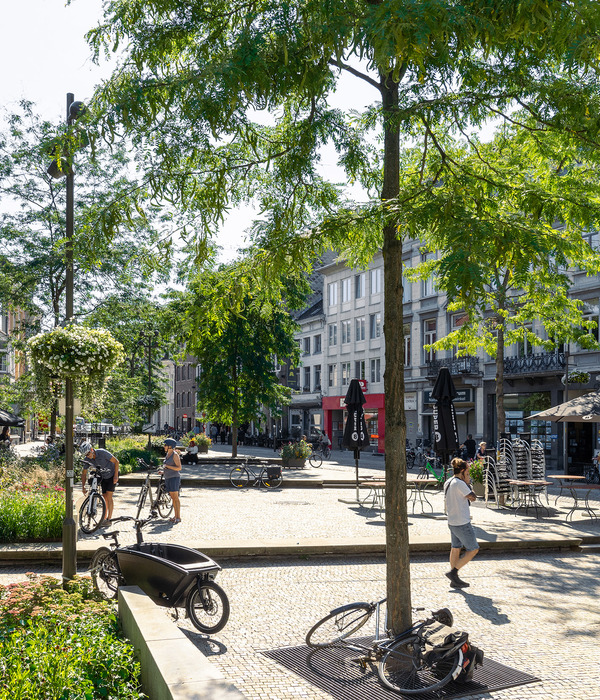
x=66, y=644
x=31, y=513
x=476, y=471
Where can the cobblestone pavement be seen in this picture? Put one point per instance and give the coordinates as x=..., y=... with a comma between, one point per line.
x=536, y=613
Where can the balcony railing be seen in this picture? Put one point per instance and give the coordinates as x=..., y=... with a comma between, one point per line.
x=456, y=365
x=537, y=362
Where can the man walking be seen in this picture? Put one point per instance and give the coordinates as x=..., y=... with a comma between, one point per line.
x=458, y=501
x=107, y=466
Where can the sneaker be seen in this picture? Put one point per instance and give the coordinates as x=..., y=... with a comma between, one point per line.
x=104, y=523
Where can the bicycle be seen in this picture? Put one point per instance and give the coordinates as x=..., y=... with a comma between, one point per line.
x=162, y=501
x=430, y=468
x=404, y=662
x=170, y=574
x=591, y=473
x=270, y=477
x=93, y=508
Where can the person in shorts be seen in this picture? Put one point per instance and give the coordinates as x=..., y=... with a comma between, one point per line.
x=459, y=495
x=107, y=466
x=172, y=471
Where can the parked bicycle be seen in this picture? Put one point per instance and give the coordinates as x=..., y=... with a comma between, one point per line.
x=93, y=508
x=270, y=477
x=161, y=502
x=591, y=473
x=410, y=662
x=170, y=574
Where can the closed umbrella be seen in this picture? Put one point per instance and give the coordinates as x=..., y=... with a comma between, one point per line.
x=355, y=430
x=7, y=418
x=444, y=416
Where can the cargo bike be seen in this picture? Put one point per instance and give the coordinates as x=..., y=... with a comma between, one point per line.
x=171, y=575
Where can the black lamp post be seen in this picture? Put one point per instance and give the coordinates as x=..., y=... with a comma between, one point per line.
x=56, y=170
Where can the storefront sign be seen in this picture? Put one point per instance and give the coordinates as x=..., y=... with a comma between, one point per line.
x=363, y=384
x=463, y=396
x=410, y=401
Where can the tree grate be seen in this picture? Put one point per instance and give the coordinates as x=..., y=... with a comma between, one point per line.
x=333, y=671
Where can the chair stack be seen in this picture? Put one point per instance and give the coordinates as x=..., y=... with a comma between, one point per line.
x=497, y=472
x=538, y=465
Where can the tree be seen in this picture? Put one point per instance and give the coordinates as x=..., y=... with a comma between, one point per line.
x=507, y=221
x=238, y=331
x=228, y=101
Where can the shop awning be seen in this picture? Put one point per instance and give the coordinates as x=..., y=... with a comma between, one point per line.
x=458, y=411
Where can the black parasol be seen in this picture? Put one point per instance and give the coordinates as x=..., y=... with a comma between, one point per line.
x=7, y=418
x=355, y=430
x=444, y=415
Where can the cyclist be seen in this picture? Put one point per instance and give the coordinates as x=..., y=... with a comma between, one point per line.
x=107, y=466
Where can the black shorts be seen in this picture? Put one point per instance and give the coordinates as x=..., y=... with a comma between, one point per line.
x=107, y=484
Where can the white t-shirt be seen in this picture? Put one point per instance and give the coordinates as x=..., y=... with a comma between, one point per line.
x=457, y=505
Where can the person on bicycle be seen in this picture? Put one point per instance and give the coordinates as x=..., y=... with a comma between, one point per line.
x=107, y=466
x=459, y=495
x=172, y=465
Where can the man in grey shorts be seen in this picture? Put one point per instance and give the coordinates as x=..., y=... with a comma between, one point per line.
x=458, y=501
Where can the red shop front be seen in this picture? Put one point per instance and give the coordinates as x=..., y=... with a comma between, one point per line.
x=335, y=414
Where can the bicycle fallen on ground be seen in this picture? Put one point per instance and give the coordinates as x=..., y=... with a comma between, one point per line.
x=410, y=662
x=170, y=574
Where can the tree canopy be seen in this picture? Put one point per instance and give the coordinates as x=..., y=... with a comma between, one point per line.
x=228, y=101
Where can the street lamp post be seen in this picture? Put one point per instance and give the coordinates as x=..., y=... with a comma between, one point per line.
x=69, y=541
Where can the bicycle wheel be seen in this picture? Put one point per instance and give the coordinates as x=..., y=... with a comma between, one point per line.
x=339, y=624
x=141, y=500
x=315, y=460
x=105, y=571
x=239, y=477
x=405, y=668
x=271, y=481
x=208, y=607
x=164, y=503
x=326, y=452
x=91, y=513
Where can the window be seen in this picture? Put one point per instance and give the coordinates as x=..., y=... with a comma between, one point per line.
x=406, y=290
x=306, y=385
x=375, y=370
x=359, y=286
x=316, y=344
x=3, y=361
x=592, y=313
x=346, y=374
x=375, y=276
x=456, y=321
x=317, y=377
x=346, y=289
x=375, y=325
x=407, y=348
x=525, y=347
x=332, y=334
x=307, y=346
x=178, y=399
x=359, y=328
x=429, y=337
x=332, y=375
x=428, y=285
x=189, y=399
x=360, y=369
x=346, y=326
x=332, y=293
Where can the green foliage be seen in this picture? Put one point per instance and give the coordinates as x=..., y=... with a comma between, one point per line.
x=129, y=450
x=57, y=643
x=296, y=450
x=31, y=513
x=476, y=471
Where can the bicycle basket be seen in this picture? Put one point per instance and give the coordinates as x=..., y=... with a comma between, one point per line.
x=273, y=472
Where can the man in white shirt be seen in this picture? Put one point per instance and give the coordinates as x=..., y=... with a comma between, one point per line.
x=458, y=501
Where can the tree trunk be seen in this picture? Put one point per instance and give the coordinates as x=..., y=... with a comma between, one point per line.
x=500, y=413
x=397, y=552
x=234, y=415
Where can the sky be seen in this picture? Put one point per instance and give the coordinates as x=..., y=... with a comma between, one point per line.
x=45, y=56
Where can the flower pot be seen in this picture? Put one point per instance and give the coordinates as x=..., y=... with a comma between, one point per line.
x=203, y=449
x=293, y=463
x=478, y=489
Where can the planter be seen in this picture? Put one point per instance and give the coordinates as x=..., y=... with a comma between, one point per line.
x=293, y=463
x=203, y=449
x=478, y=489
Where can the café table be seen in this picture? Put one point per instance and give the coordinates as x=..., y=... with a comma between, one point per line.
x=527, y=491
x=376, y=493
x=418, y=492
x=564, y=481
x=583, y=496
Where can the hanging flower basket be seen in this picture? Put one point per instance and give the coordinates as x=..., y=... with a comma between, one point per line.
x=84, y=355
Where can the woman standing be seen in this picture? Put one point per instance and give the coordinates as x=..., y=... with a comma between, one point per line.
x=172, y=466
